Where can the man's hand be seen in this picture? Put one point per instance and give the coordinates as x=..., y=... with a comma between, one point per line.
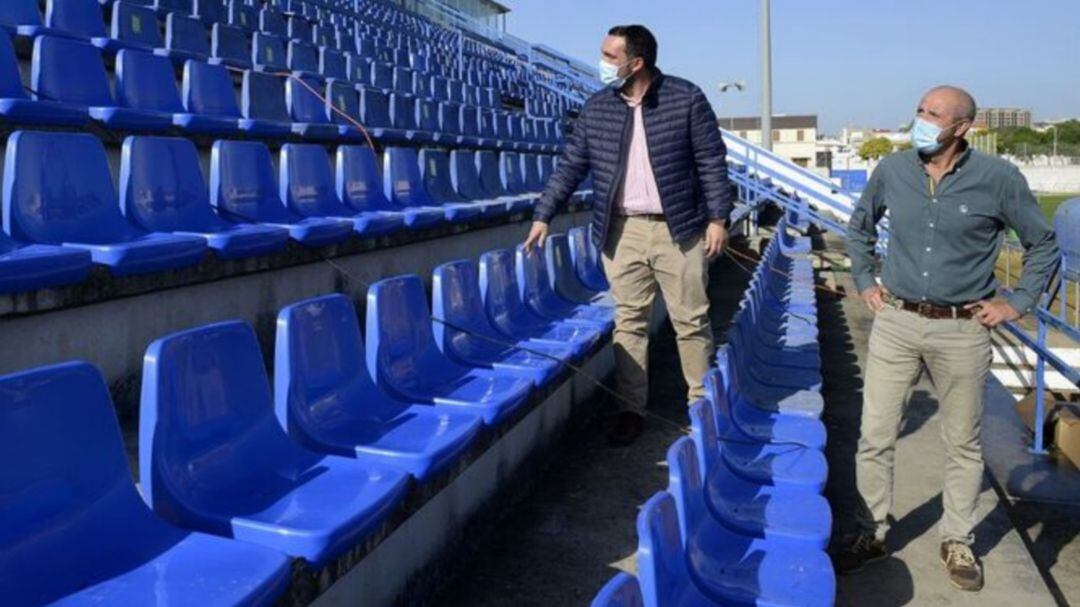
x=715, y=238
x=537, y=235
x=993, y=312
x=874, y=298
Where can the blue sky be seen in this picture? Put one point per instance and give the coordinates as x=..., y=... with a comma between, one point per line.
x=857, y=63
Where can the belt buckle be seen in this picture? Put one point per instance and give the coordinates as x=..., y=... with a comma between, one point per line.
x=924, y=308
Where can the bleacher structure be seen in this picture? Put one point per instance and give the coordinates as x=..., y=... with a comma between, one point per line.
x=201, y=199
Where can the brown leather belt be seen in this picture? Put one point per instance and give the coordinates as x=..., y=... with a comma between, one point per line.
x=929, y=310
x=645, y=216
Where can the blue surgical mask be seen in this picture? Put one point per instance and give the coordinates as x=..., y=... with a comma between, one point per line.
x=924, y=136
x=609, y=74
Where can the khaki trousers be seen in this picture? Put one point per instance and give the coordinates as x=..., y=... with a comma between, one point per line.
x=639, y=256
x=957, y=355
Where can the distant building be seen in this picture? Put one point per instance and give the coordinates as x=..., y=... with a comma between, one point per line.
x=1001, y=117
x=794, y=137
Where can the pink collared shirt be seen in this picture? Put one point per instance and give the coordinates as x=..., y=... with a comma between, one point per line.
x=638, y=194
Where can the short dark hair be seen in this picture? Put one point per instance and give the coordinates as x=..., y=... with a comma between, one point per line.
x=640, y=42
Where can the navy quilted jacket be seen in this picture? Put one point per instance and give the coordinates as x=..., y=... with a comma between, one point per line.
x=685, y=147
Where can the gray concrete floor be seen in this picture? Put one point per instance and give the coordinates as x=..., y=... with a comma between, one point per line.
x=558, y=546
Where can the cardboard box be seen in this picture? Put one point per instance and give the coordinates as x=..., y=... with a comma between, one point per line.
x=1026, y=410
x=1067, y=433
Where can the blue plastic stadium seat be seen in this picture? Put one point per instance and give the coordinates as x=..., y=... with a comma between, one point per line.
x=323, y=36
x=358, y=69
x=586, y=258
x=733, y=568
x=213, y=458
x=782, y=465
x=336, y=407
x=209, y=101
x=81, y=19
x=531, y=166
x=307, y=187
x=23, y=17
x=342, y=107
x=272, y=22
x=302, y=59
x=162, y=189
x=133, y=26
x=229, y=46
x=171, y=6
x=491, y=180
x=404, y=81
x=747, y=423
x=17, y=107
x=147, y=83
x=26, y=267
x=382, y=77
x=243, y=188
x=436, y=169
x=464, y=334
x=790, y=512
x=359, y=185
x=308, y=112
x=403, y=118
x=263, y=106
x=79, y=534
x=543, y=301
x=405, y=186
x=663, y=576
x=510, y=316
x=58, y=190
x=242, y=15
x=560, y=269
x=332, y=64
x=210, y=11
x=622, y=590
x=298, y=28
x=405, y=361
x=185, y=38
x=427, y=120
x=775, y=399
x=510, y=173
x=268, y=53
x=72, y=72
x=466, y=177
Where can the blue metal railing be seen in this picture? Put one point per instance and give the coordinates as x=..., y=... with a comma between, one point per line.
x=765, y=177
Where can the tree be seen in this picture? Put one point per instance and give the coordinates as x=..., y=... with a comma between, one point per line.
x=906, y=145
x=875, y=148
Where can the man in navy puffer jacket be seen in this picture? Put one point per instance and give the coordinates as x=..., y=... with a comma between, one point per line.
x=661, y=199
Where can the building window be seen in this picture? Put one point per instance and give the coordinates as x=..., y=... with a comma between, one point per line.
x=776, y=135
x=800, y=135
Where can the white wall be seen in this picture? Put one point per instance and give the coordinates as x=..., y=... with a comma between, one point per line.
x=1056, y=180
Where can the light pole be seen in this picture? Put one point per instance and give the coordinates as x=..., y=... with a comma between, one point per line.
x=724, y=87
x=766, y=77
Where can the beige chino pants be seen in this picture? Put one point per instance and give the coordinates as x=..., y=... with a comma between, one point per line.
x=639, y=257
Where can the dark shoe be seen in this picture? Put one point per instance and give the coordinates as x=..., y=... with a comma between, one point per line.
x=965, y=570
x=865, y=549
x=628, y=427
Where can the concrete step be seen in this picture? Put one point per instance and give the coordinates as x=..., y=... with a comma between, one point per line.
x=1014, y=366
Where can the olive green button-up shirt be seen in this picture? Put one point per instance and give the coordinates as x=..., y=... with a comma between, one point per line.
x=944, y=237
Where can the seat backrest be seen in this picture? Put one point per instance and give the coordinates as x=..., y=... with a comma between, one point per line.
x=427, y=115
x=533, y=181
x=547, y=167
x=307, y=182
x=304, y=105
x=341, y=98
x=375, y=108
x=298, y=28
x=243, y=15
x=146, y=82
x=450, y=118
x=455, y=299
x=622, y=590
x=186, y=34
x=323, y=36
x=58, y=188
x=268, y=51
x=81, y=17
x=358, y=180
x=502, y=125
x=65, y=480
x=470, y=121
x=382, y=76
x=206, y=422
x=272, y=22
x=499, y=287
x=242, y=183
x=487, y=163
x=487, y=124
x=14, y=13
x=685, y=484
x=398, y=331
x=11, y=86
x=358, y=69
x=465, y=177
x=704, y=435
x=208, y=89
x=456, y=90
x=263, y=97
x=435, y=166
x=662, y=569
x=438, y=89
x=70, y=71
x=319, y=365
x=210, y=11
x=404, y=184
x=162, y=187
x=510, y=173
x=332, y=64
x=303, y=57
x=229, y=42
x=403, y=111
x=403, y=80
x=135, y=25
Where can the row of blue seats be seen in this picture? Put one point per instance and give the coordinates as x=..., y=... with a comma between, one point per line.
x=59, y=196
x=743, y=521
x=240, y=478
x=71, y=87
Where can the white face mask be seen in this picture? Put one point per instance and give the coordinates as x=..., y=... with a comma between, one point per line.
x=609, y=74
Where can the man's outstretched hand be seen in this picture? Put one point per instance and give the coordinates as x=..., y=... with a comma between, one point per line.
x=874, y=298
x=993, y=312
x=537, y=235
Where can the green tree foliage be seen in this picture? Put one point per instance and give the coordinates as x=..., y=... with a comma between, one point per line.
x=1021, y=140
x=875, y=148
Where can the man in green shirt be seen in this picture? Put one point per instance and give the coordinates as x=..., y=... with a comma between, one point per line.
x=949, y=207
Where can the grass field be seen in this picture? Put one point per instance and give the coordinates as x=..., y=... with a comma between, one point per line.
x=1050, y=202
